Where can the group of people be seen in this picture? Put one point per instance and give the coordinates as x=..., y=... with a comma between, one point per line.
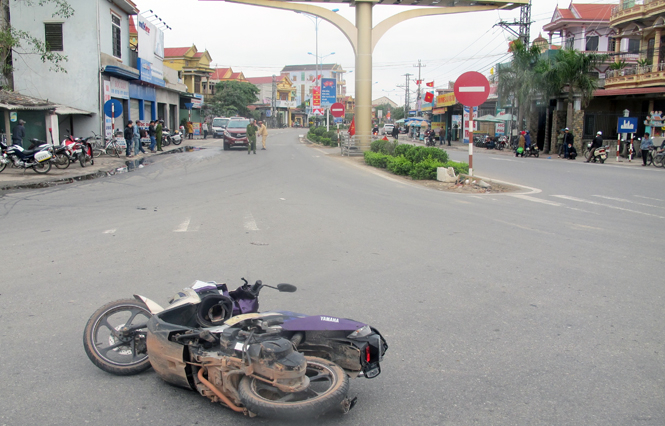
x=255, y=128
x=523, y=143
x=133, y=134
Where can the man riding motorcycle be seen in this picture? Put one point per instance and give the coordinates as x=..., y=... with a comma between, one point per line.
x=597, y=142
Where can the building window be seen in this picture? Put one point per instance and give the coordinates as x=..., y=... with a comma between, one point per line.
x=651, y=46
x=570, y=42
x=592, y=43
x=117, y=36
x=633, y=46
x=611, y=44
x=53, y=37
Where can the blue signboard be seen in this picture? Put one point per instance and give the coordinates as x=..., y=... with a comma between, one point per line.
x=145, y=71
x=328, y=91
x=627, y=125
x=111, y=107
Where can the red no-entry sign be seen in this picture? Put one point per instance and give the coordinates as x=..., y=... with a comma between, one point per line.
x=472, y=89
x=337, y=109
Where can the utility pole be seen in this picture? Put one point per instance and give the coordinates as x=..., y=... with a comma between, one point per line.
x=273, y=102
x=418, y=99
x=407, y=101
x=523, y=26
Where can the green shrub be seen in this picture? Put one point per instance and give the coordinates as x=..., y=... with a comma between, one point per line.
x=333, y=136
x=399, y=165
x=402, y=149
x=330, y=134
x=460, y=168
x=376, y=159
x=419, y=153
x=319, y=131
x=325, y=141
x=334, y=144
x=314, y=138
x=425, y=169
x=384, y=147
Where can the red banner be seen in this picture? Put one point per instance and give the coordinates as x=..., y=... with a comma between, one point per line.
x=352, y=127
x=316, y=96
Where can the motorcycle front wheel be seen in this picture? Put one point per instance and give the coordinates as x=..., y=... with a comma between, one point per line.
x=328, y=387
x=177, y=141
x=42, y=167
x=166, y=141
x=115, y=337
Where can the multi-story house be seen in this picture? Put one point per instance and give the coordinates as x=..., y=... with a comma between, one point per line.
x=284, y=94
x=101, y=65
x=304, y=78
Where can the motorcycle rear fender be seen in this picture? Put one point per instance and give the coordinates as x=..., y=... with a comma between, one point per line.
x=152, y=305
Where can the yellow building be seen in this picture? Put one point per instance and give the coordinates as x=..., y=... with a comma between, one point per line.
x=193, y=67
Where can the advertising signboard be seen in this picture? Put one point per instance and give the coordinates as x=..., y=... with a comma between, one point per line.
x=150, y=52
x=197, y=101
x=119, y=88
x=316, y=96
x=108, y=125
x=328, y=91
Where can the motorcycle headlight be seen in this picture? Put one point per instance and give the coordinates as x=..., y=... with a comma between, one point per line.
x=361, y=332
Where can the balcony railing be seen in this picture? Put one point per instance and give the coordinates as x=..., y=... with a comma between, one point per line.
x=637, y=4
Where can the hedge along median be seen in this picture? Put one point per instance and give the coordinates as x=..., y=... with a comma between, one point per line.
x=419, y=162
x=322, y=136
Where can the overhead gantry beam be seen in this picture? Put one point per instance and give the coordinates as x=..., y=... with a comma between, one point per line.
x=363, y=39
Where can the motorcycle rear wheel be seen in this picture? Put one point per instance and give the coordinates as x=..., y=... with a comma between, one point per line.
x=118, y=353
x=62, y=161
x=2, y=167
x=166, y=141
x=329, y=385
x=177, y=142
x=42, y=168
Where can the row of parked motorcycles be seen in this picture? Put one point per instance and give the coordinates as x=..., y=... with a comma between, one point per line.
x=41, y=156
x=277, y=364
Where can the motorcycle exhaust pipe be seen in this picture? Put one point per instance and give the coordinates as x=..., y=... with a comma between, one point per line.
x=219, y=394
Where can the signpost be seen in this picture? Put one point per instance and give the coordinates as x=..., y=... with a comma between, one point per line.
x=113, y=109
x=337, y=110
x=626, y=125
x=471, y=89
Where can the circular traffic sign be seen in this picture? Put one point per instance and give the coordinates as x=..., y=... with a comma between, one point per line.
x=337, y=109
x=472, y=89
x=113, y=108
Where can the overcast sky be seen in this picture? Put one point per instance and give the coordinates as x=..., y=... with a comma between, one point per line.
x=260, y=41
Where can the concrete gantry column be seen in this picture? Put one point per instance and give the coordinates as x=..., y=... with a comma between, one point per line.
x=363, y=111
x=656, y=52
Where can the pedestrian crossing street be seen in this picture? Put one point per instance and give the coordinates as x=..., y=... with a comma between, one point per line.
x=598, y=204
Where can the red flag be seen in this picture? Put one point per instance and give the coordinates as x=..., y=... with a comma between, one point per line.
x=419, y=82
x=430, y=84
x=352, y=127
x=429, y=97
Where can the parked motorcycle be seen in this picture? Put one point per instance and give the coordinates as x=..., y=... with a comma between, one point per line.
x=272, y=364
x=597, y=154
x=532, y=150
x=429, y=138
x=169, y=138
x=60, y=158
x=501, y=143
x=19, y=157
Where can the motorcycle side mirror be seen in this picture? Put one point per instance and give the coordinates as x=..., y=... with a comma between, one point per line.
x=287, y=288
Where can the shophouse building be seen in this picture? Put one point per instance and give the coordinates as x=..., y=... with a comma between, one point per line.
x=304, y=77
x=101, y=65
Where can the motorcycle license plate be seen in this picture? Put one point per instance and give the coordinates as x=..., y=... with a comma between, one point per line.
x=42, y=156
x=372, y=370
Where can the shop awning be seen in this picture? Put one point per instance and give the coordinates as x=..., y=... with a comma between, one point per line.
x=125, y=73
x=65, y=110
x=489, y=118
x=633, y=91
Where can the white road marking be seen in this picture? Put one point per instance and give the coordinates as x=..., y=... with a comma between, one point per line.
x=649, y=198
x=524, y=227
x=501, y=159
x=283, y=199
x=110, y=231
x=579, y=200
x=536, y=200
x=183, y=226
x=627, y=201
x=250, y=223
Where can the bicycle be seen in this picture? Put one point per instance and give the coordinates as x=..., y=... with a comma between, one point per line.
x=97, y=145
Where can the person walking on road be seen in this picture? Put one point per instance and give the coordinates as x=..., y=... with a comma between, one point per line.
x=442, y=135
x=263, y=132
x=18, y=134
x=644, y=147
x=204, y=129
x=450, y=136
x=251, y=137
x=597, y=142
x=158, y=134
x=151, y=134
x=568, y=139
x=395, y=133
x=129, y=139
x=190, y=130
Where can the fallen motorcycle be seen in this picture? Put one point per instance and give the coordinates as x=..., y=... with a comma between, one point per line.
x=272, y=364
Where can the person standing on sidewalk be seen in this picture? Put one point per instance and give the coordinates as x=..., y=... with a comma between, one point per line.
x=450, y=136
x=151, y=134
x=251, y=137
x=442, y=135
x=158, y=134
x=137, y=138
x=263, y=132
x=190, y=130
x=644, y=147
x=568, y=139
x=18, y=134
x=204, y=129
x=129, y=138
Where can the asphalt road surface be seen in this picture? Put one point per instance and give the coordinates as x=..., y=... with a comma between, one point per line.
x=539, y=308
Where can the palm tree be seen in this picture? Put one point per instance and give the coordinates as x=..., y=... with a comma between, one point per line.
x=520, y=79
x=571, y=70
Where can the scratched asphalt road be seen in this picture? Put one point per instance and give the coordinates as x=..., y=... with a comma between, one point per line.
x=539, y=308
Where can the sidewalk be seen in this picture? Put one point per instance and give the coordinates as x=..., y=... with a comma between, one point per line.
x=460, y=146
x=13, y=178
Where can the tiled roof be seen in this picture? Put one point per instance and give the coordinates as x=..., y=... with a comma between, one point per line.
x=235, y=75
x=219, y=73
x=594, y=12
x=174, y=52
x=308, y=67
x=132, y=27
x=260, y=80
